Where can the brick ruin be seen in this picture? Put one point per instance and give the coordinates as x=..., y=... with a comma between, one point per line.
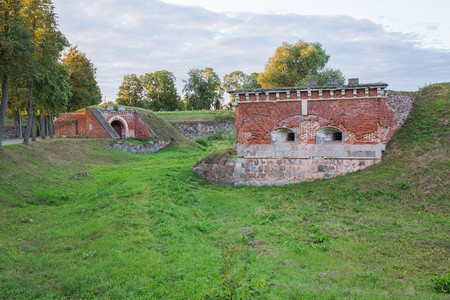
x=103, y=123
x=288, y=135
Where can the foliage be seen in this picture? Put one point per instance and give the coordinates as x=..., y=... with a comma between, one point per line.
x=84, y=87
x=203, y=89
x=328, y=74
x=160, y=91
x=251, y=82
x=15, y=39
x=441, y=284
x=131, y=91
x=202, y=141
x=239, y=80
x=236, y=282
x=294, y=65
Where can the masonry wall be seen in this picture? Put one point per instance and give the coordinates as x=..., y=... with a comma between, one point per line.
x=69, y=125
x=275, y=171
x=203, y=129
x=363, y=121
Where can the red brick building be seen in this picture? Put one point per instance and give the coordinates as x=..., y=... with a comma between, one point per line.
x=103, y=123
x=289, y=135
x=353, y=120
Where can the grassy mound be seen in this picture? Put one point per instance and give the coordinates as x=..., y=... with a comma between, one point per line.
x=196, y=116
x=144, y=226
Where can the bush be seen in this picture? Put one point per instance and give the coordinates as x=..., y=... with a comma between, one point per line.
x=202, y=141
x=441, y=284
x=223, y=135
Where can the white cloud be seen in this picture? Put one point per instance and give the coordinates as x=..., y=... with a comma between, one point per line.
x=139, y=36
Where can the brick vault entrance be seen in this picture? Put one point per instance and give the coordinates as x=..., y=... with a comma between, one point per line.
x=119, y=128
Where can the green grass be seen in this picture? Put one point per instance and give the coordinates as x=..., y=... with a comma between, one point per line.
x=196, y=116
x=144, y=226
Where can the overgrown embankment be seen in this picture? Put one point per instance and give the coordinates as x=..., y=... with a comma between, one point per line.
x=144, y=226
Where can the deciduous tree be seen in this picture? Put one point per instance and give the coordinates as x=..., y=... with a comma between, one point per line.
x=131, y=91
x=203, y=89
x=293, y=65
x=15, y=48
x=160, y=92
x=84, y=88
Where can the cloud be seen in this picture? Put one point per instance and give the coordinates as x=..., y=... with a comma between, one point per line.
x=139, y=36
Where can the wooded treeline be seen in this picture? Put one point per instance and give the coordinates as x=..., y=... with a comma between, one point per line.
x=291, y=65
x=41, y=74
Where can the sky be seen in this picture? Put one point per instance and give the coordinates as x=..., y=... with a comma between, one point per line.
x=403, y=43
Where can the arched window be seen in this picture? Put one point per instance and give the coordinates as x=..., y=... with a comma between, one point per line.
x=329, y=135
x=283, y=135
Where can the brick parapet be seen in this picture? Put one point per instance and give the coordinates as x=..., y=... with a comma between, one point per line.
x=318, y=93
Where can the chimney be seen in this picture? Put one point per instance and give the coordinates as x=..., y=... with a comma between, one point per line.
x=353, y=81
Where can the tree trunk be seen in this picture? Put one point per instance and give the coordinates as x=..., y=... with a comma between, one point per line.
x=26, y=138
x=42, y=130
x=47, y=127
x=19, y=116
x=51, y=125
x=16, y=125
x=3, y=107
x=33, y=128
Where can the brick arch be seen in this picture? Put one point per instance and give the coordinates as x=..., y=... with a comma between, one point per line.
x=121, y=120
x=305, y=127
x=329, y=133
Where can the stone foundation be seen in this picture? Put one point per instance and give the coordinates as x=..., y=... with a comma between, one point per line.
x=275, y=171
x=10, y=133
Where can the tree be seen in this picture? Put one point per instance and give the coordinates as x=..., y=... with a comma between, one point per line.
x=251, y=82
x=324, y=76
x=293, y=65
x=15, y=48
x=160, y=92
x=131, y=91
x=203, y=89
x=48, y=41
x=84, y=88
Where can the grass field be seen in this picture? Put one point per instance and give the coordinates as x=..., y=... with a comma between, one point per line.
x=196, y=116
x=144, y=226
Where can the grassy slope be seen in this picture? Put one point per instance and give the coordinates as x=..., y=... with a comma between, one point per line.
x=196, y=116
x=145, y=226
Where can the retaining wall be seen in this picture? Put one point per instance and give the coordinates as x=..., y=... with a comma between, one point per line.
x=202, y=129
x=149, y=147
x=275, y=171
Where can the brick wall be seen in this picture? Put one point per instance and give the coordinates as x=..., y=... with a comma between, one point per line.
x=86, y=124
x=363, y=121
x=69, y=125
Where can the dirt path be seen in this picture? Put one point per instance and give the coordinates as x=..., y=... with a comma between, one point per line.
x=14, y=141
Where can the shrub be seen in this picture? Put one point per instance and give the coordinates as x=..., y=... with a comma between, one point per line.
x=202, y=141
x=441, y=284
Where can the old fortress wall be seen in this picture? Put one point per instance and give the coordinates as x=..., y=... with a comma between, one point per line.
x=290, y=135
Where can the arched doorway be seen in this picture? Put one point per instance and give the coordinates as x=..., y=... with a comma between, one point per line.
x=118, y=127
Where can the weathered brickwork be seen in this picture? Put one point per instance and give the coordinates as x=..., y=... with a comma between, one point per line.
x=365, y=121
x=125, y=122
x=289, y=135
